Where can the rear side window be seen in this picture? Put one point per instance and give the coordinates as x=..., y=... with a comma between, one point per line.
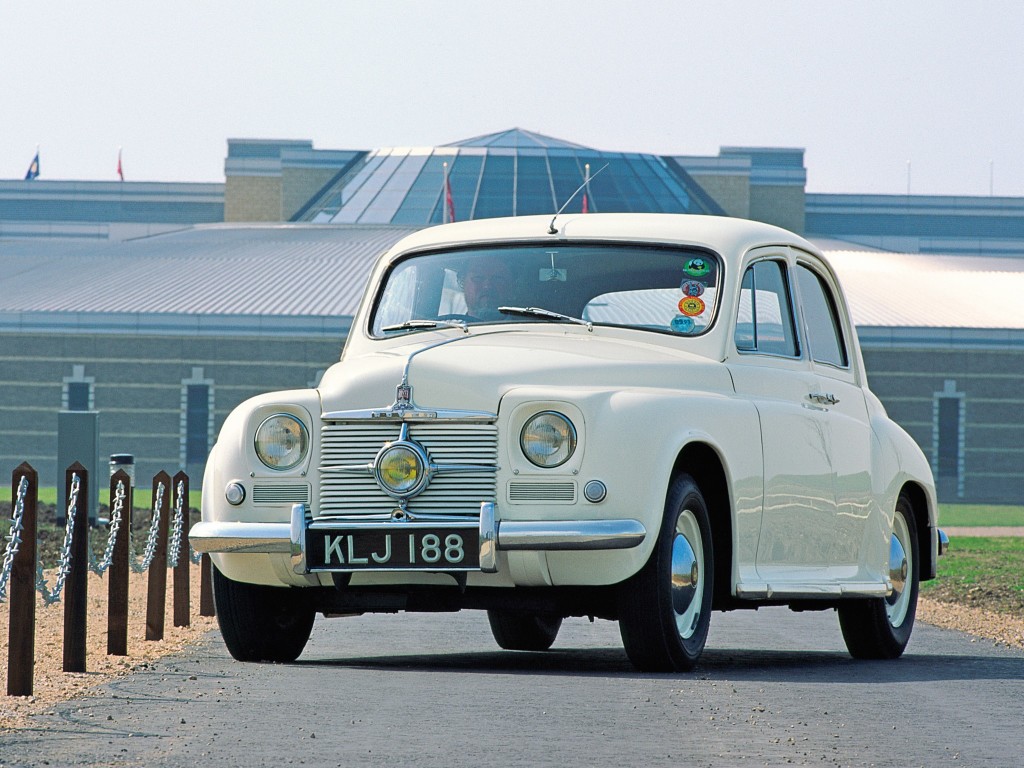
x=824, y=333
x=765, y=319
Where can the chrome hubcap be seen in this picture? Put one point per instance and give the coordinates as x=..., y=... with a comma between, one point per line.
x=687, y=573
x=899, y=572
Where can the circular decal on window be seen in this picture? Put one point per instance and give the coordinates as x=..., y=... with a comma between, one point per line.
x=691, y=306
x=681, y=324
x=697, y=267
x=692, y=288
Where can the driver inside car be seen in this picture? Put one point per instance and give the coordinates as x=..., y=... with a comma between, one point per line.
x=485, y=285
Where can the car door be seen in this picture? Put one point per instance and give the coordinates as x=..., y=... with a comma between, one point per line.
x=828, y=331
x=771, y=370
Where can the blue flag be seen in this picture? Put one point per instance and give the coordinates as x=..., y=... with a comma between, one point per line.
x=33, y=168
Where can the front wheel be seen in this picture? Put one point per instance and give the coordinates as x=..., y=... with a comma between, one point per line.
x=665, y=609
x=261, y=623
x=880, y=628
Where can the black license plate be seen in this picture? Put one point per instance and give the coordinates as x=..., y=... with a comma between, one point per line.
x=434, y=548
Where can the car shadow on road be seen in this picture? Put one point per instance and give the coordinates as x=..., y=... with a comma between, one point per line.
x=750, y=665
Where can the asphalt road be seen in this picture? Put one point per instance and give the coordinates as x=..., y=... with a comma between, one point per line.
x=774, y=688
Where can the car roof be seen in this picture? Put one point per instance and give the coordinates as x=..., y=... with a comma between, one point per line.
x=723, y=234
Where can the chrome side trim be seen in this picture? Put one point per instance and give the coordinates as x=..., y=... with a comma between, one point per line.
x=811, y=591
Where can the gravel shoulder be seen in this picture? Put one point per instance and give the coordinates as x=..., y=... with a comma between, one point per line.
x=52, y=684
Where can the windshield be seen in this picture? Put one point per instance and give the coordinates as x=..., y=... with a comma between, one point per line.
x=671, y=290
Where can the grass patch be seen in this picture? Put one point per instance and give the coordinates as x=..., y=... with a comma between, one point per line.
x=143, y=497
x=980, y=514
x=981, y=572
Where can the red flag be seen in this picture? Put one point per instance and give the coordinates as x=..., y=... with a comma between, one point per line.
x=120, y=171
x=448, y=195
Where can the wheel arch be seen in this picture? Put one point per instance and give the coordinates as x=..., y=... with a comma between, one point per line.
x=702, y=462
x=922, y=520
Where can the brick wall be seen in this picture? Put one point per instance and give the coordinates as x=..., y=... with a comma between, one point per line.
x=138, y=389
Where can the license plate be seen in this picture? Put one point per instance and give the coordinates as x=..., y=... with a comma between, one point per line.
x=434, y=548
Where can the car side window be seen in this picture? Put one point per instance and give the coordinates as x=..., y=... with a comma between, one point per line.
x=765, y=319
x=824, y=332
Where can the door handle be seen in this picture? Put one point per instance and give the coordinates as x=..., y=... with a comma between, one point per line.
x=823, y=399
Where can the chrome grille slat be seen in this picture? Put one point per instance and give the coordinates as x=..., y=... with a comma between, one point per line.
x=357, y=444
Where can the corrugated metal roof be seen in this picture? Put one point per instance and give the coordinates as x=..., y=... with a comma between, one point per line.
x=230, y=270
x=319, y=272
x=931, y=291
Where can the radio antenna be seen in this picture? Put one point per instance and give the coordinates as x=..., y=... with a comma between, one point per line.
x=551, y=227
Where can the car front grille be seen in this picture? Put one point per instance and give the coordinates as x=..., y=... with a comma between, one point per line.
x=357, y=443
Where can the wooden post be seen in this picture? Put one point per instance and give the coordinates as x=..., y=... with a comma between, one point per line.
x=206, y=587
x=76, y=588
x=157, y=595
x=117, y=574
x=21, y=643
x=182, y=598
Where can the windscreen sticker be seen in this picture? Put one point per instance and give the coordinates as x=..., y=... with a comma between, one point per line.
x=692, y=288
x=697, y=267
x=682, y=324
x=691, y=306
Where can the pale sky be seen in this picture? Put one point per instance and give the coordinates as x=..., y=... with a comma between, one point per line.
x=865, y=87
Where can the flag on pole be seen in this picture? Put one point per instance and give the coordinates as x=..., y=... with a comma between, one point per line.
x=33, y=168
x=449, y=205
x=586, y=187
x=120, y=170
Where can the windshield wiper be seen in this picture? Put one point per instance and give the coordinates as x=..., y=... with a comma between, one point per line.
x=412, y=324
x=545, y=314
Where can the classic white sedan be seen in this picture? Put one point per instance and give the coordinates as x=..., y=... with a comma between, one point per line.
x=635, y=417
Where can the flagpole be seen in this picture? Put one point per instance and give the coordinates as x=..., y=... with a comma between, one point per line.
x=444, y=191
x=586, y=188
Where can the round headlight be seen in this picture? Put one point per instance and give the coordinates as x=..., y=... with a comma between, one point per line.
x=282, y=441
x=401, y=469
x=548, y=439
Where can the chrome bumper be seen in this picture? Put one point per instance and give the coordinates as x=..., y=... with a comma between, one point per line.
x=495, y=535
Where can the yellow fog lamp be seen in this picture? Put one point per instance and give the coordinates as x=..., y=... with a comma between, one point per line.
x=401, y=469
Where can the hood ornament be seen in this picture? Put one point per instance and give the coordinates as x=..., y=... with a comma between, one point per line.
x=403, y=397
x=404, y=408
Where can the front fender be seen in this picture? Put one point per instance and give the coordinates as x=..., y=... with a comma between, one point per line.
x=634, y=439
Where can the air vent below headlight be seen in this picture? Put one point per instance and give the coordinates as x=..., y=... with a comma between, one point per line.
x=525, y=492
x=292, y=493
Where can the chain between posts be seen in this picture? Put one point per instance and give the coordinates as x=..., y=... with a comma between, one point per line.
x=14, y=537
x=178, y=530
x=177, y=526
x=64, y=568
x=51, y=596
x=117, y=510
x=152, y=539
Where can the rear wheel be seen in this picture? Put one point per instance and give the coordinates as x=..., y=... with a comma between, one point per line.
x=880, y=628
x=261, y=623
x=665, y=609
x=524, y=631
